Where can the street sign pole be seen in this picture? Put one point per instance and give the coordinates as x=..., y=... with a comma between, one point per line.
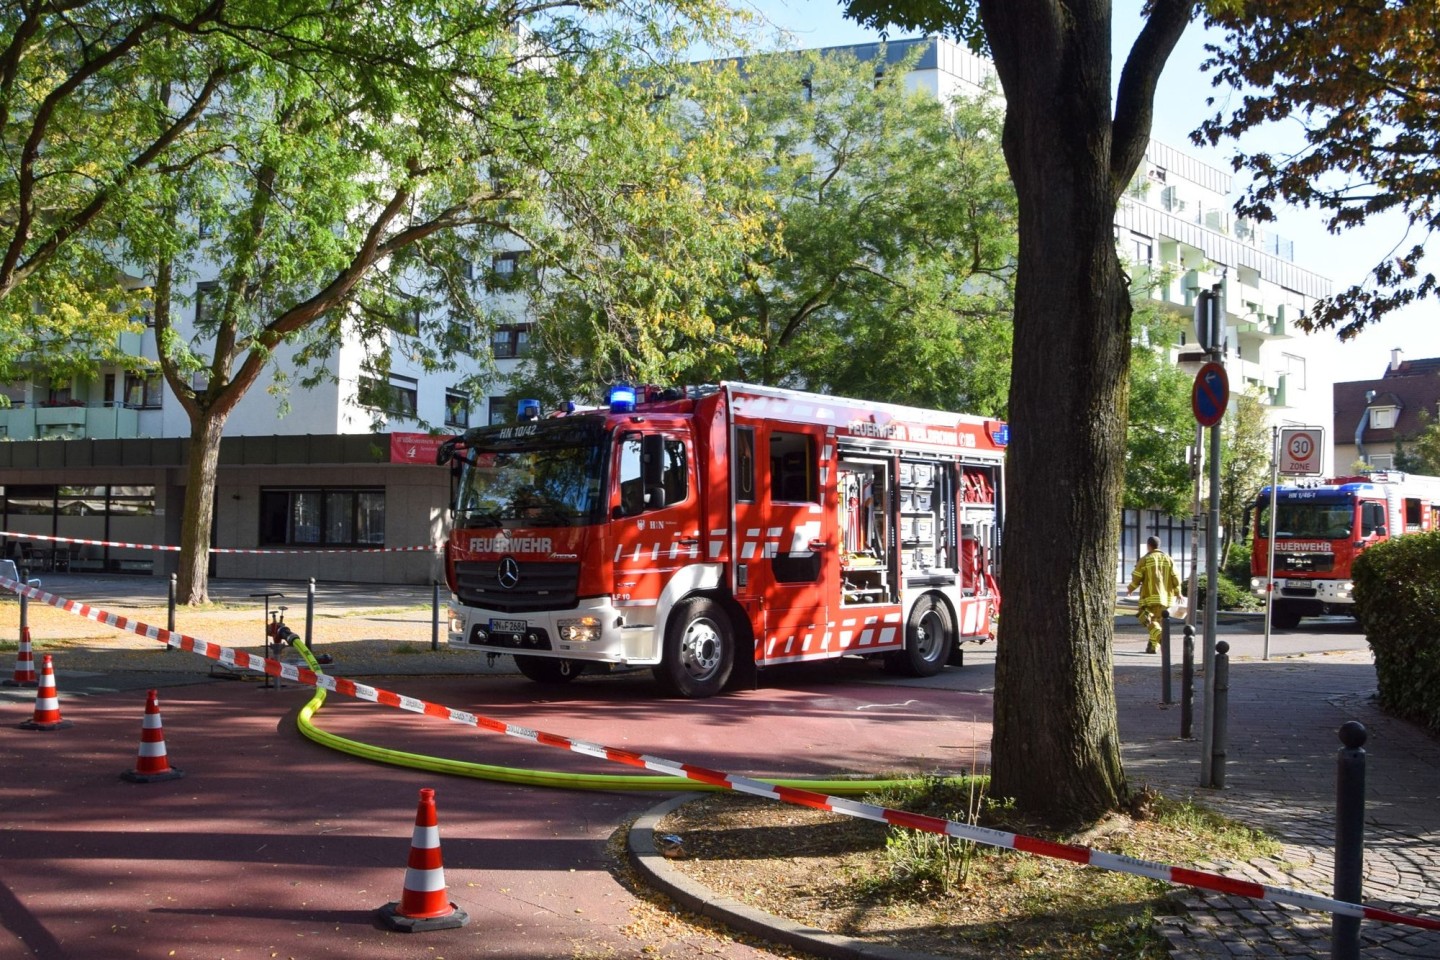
x=1270, y=542
x=1209, y=398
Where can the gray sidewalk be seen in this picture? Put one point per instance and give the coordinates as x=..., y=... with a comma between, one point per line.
x=1280, y=774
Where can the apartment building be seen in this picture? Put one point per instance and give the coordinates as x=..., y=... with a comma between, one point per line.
x=103, y=458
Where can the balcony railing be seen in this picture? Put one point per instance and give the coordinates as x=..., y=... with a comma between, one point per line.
x=64, y=420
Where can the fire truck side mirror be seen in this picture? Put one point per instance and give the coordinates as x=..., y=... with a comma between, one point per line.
x=654, y=497
x=652, y=461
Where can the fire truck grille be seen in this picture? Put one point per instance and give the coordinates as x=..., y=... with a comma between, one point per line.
x=541, y=586
x=1304, y=562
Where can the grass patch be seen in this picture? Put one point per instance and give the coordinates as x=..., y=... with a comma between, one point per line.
x=951, y=897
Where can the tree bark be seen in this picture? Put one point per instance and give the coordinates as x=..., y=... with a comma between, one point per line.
x=192, y=579
x=1056, y=742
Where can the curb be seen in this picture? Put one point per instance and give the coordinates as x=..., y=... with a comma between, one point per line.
x=646, y=857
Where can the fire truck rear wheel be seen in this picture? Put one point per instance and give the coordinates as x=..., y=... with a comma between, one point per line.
x=929, y=637
x=699, y=649
x=549, y=669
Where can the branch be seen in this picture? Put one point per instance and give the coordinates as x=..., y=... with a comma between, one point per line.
x=1135, y=96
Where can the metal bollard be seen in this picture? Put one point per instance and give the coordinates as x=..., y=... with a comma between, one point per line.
x=170, y=611
x=1187, y=686
x=310, y=616
x=435, y=616
x=1165, y=695
x=1222, y=709
x=1349, y=838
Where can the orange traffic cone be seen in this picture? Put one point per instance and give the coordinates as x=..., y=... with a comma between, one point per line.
x=24, y=663
x=424, y=904
x=152, y=764
x=47, y=702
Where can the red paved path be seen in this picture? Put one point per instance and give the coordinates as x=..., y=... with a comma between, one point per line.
x=272, y=846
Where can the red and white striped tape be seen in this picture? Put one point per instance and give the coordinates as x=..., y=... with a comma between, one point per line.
x=162, y=546
x=806, y=798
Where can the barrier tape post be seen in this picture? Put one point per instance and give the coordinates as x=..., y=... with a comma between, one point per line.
x=170, y=610
x=310, y=613
x=435, y=616
x=1165, y=696
x=1349, y=837
x=24, y=657
x=1187, y=685
x=716, y=779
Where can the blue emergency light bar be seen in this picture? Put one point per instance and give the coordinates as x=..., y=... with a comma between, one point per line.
x=622, y=398
x=528, y=410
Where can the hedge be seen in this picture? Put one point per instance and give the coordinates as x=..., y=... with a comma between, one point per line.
x=1397, y=601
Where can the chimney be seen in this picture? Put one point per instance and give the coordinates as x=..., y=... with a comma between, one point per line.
x=1395, y=360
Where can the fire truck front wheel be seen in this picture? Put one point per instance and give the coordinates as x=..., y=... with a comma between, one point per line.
x=549, y=669
x=1285, y=616
x=699, y=649
x=929, y=636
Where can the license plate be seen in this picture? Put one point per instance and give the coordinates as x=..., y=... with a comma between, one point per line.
x=509, y=626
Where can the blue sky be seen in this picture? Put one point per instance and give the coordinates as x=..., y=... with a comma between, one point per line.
x=1179, y=108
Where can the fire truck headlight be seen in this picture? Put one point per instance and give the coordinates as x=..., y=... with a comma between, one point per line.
x=580, y=630
x=457, y=622
x=1257, y=584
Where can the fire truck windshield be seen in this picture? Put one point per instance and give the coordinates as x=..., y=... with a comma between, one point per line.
x=1308, y=520
x=549, y=478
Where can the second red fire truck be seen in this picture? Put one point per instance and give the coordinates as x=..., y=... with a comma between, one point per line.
x=1321, y=529
x=698, y=531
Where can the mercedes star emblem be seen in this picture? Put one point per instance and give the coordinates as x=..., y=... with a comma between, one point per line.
x=509, y=573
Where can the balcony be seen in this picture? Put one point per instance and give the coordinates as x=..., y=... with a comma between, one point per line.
x=69, y=422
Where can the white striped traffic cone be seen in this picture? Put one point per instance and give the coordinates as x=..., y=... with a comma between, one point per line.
x=24, y=663
x=424, y=904
x=152, y=764
x=47, y=702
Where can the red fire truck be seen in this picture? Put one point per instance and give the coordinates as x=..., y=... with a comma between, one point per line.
x=693, y=531
x=1320, y=529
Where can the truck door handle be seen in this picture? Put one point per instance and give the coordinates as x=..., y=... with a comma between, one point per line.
x=689, y=541
x=816, y=545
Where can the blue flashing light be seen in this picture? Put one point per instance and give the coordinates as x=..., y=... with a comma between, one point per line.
x=528, y=410
x=622, y=398
x=1002, y=435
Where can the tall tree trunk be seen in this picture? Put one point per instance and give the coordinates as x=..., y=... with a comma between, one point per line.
x=1056, y=743
x=192, y=582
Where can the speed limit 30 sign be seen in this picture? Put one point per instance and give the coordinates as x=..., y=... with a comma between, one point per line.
x=1301, y=451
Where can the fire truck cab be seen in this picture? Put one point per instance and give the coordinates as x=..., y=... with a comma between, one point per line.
x=700, y=531
x=1321, y=529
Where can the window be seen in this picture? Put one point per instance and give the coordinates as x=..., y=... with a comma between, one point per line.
x=745, y=464
x=322, y=516
x=504, y=269
x=457, y=408
x=792, y=468
x=143, y=392
x=1294, y=369
x=1142, y=250
x=1382, y=461
x=807, y=90
x=499, y=410
x=108, y=399
x=634, y=497
x=398, y=396
x=1383, y=418
x=509, y=342
x=207, y=302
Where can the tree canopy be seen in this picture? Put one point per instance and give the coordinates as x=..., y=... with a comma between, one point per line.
x=357, y=191
x=880, y=262
x=1359, y=80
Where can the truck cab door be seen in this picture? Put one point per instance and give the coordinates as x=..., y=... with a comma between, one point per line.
x=655, y=520
x=791, y=549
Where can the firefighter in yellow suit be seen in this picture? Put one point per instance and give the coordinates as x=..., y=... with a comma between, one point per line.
x=1155, y=576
